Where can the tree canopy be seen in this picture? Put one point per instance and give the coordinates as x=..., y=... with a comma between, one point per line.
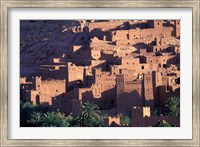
x=90, y=116
x=173, y=106
x=39, y=116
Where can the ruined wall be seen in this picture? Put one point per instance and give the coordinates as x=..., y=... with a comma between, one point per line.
x=125, y=37
x=104, y=25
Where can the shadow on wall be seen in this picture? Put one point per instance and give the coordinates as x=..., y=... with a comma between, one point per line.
x=81, y=38
x=105, y=102
x=162, y=94
x=141, y=45
x=175, y=60
x=128, y=26
x=100, y=34
x=61, y=102
x=125, y=101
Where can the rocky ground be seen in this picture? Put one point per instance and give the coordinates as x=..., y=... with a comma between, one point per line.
x=41, y=40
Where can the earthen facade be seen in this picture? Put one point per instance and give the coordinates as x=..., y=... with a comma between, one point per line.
x=124, y=66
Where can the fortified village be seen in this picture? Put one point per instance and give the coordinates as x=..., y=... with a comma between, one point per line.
x=124, y=66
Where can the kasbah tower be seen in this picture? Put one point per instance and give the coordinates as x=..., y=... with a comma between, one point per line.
x=124, y=66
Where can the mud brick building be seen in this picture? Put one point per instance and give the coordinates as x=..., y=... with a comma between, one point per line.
x=124, y=66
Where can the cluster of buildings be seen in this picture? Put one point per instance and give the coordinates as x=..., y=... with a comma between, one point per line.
x=125, y=67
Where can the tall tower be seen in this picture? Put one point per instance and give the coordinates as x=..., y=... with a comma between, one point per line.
x=120, y=97
x=37, y=83
x=177, y=28
x=148, y=90
x=120, y=84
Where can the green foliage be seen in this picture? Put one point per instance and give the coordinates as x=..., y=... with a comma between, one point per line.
x=173, y=106
x=155, y=112
x=125, y=120
x=36, y=119
x=163, y=123
x=90, y=116
x=106, y=115
x=26, y=109
x=38, y=116
x=56, y=119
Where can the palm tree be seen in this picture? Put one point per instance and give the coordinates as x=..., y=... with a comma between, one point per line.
x=56, y=119
x=29, y=113
x=36, y=119
x=173, y=105
x=90, y=116
x=26, y=109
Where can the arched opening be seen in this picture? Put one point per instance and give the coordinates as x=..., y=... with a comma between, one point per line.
x=37, y=99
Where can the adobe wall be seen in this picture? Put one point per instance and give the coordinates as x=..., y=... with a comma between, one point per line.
x=128, y=63
x=135, y=65
x=141, y=117
x=148, y=90
x=177, y=28
x=108, y=91
x=50, y=89
x=112, y=122
x=95, y=54
x=114, y=69
x=128, y=94
x=34, y=97
x=137, y=119
x=129, y=74
x=124, y=37
x=101, y=34
x=99, y=64
x=82, y=94
x=75, y=73
x=104, y=25
x=52, y=72
x=46, y=90
x=154, y=23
